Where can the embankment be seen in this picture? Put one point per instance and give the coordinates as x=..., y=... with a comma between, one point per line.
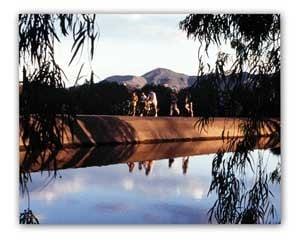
x=91, y=130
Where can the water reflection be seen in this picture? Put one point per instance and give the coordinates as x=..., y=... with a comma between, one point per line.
x=171, y=190
x=185, y=162
x=243, y=195
x=27, y=217
x=146, y=165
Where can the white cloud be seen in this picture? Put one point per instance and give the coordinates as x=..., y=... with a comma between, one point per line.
x=58, y=189
x=128, y=184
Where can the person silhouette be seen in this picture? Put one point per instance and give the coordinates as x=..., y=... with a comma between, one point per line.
x=130, y=166
x=134, y=101
x=188, y=104
x=185, y=162
x=171, y=161
x=148, y=166
x=141, y=165
x=152, y=100
x=143, y=101
x=173, y=103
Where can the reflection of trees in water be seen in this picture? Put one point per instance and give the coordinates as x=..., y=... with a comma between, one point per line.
x=27, y=216
x=240, y=181
x=41, y=132
x=236, y=202
x=248, y=86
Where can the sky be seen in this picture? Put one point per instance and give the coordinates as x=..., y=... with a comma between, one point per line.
x=133, y=44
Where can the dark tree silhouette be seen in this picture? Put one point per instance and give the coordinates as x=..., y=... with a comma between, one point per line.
x=248, y=86
x=255, y=38
x=38, y=34
x=42, y=77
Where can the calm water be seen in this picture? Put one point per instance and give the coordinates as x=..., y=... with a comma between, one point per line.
x=153, y=192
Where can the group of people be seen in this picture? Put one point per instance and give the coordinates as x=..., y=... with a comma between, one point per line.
x=188, y=103
x=148, y=165
x=145, y=104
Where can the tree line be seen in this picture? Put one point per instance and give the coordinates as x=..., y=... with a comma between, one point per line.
x=209, y=98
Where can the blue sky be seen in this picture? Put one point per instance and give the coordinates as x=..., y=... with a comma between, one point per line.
x=135, y=44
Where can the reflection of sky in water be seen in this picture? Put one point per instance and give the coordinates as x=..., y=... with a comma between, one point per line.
x=110, y=194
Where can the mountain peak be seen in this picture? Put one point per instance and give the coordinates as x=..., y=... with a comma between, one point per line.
x=167, y=77
x=128, y=80
x=157, y=76
x=160, y=70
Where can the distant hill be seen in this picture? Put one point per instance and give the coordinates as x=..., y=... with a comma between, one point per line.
x=158, y=76
x=168, y=78
x=165, y=77
x=129, y=80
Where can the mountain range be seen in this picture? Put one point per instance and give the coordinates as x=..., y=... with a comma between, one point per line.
x=158, y=76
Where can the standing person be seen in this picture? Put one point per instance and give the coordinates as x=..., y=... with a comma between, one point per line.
x=134, y=101
x=188, y=103
x=153, y=101
x=143, y=100
x=173, y=104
